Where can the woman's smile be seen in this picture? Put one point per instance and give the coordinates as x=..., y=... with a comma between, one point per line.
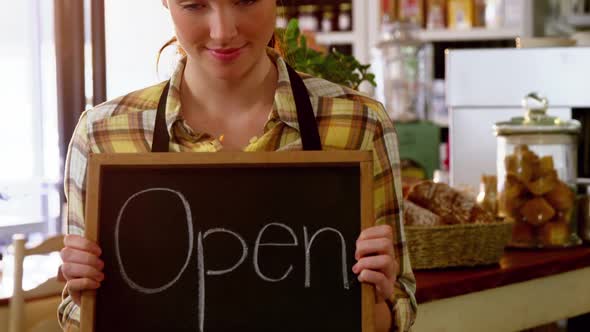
x=226, y=54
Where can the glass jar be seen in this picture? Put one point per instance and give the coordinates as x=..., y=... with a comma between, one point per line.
x=345, y=17
x=307, y=19
x=282, y=18
x=536, y=172
x=327, y=19
x=400, y=62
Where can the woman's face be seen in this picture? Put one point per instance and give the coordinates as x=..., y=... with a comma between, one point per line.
x=224, y=38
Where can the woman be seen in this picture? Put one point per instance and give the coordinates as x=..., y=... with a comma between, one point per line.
x=232, y=93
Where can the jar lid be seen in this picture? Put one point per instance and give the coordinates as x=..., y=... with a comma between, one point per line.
x=306, y=9
x=399, y=33
x=536, y=120
x=345, y=6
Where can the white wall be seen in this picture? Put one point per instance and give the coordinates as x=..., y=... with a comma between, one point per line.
x=135, y=31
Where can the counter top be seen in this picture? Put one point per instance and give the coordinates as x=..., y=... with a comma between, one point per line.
x=517, y=265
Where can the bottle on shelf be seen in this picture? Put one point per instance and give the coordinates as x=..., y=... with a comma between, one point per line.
x=282, y=18
x=345, y=17
x=308, y=20
x=435, y=14
x=493, y=13
x=461, y=14
x=327, y=18
x=412, y=11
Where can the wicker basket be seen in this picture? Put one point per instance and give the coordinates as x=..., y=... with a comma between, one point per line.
x=457, y=245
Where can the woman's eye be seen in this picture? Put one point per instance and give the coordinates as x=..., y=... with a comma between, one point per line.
x=246, y=2
x=194, y=6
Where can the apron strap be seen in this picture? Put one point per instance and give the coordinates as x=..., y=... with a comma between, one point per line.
x=161, y=138
x=308, y=128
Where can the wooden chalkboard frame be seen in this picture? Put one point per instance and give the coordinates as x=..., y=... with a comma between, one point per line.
x=228, y=159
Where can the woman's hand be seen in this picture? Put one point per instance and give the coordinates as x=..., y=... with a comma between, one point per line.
x=81, y=266
x=376, y=263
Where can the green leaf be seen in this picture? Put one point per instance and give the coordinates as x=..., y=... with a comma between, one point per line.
x=334, y=66
x=303, y=42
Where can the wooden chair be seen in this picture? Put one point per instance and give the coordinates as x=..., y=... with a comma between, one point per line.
x=38, y=315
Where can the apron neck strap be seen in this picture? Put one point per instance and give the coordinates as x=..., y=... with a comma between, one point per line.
x=161, y=138
x=308, y=129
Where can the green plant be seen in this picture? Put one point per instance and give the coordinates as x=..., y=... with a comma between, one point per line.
x=332, y=66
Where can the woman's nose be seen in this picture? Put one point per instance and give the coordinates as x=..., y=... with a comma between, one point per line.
x=222, y=26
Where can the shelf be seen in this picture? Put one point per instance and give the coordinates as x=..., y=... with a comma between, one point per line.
x=335, y=38
x=468, y=35
x=339, y=38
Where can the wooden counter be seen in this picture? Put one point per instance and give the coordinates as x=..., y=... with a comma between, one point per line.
x=515, y=266
x=528, y=288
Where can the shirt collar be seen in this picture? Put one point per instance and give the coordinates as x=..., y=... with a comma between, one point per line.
x=284, y=103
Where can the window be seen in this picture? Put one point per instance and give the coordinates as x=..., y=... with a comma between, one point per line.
x=30, y=162
x=29, y=149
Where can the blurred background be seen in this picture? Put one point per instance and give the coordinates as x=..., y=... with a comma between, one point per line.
x=61, y=57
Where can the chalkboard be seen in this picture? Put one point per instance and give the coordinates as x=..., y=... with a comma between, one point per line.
x=229, y=241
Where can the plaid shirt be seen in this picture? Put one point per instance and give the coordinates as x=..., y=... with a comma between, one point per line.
x=347, y=120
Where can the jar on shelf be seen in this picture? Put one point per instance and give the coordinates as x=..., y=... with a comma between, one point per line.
x=282, y=18
x=536, y=172
x=435, y=17
x=345, y=16
x=400, y=64
x=327, y=18
x=307, y=18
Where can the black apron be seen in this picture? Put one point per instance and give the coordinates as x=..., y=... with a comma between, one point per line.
x=308, y=129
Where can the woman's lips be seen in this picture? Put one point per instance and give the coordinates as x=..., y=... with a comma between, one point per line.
x=226, y=54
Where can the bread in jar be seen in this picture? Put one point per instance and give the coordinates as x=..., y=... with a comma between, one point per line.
x=521, y=163
x=523, y=233
x=537, y=211
x=544, y=184
x=561, y=197
x=554, y=233
x=543, y=167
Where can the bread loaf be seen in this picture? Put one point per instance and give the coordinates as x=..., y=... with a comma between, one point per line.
x=451, y=205
x=415, y=215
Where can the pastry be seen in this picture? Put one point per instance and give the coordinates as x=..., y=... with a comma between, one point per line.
x=522, y=163
x=561, y=197
x=544, y=166
x=512, y=198
x=554, y=234
x=537, y=211
x=544, y=184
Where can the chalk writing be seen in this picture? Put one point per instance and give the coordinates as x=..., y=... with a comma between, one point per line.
x=201, y=257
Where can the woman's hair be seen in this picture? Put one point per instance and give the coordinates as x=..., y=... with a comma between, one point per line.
x=172, y=41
